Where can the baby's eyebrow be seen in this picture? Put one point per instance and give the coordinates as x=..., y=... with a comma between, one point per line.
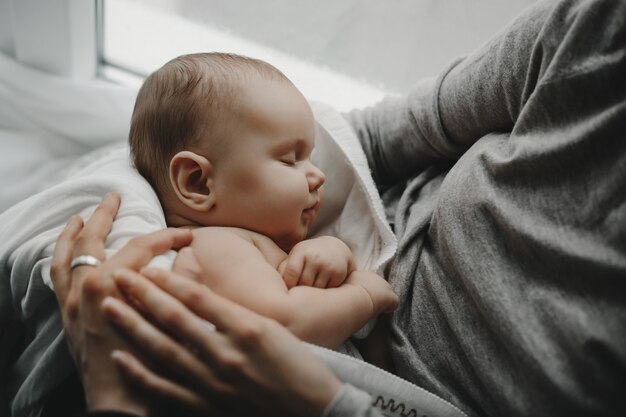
x=299, y=144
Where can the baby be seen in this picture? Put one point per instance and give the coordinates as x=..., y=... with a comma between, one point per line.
x=226, y=141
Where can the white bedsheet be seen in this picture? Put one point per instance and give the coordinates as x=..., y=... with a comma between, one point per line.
x=64, y=143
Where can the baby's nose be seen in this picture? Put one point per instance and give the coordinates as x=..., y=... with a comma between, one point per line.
x=315, y=177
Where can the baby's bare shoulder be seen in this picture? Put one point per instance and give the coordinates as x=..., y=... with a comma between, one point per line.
x=234, y=238
x=230, y=238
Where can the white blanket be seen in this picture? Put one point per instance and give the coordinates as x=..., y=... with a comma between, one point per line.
x=41, y=116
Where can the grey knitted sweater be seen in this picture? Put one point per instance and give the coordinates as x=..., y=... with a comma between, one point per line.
x=506, y=180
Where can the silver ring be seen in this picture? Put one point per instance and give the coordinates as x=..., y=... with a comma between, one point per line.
x=85, y=260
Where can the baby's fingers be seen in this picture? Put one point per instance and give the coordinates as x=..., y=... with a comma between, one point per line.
x=291, y=269
x=336, y=278
x=322, y=279
x=309, y=274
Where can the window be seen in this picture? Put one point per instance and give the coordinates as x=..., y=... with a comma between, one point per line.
x=347, y=53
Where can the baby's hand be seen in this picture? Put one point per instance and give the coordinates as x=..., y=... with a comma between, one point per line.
x=323, y=262
x=383, y=298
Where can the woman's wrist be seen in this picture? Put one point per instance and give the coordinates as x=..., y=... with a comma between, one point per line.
x=323, y=400
x=347, y=402
x=114, y=397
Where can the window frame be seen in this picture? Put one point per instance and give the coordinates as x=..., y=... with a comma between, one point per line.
x=69, y=51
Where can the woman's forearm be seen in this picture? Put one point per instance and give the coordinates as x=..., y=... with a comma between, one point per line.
x=440, y=118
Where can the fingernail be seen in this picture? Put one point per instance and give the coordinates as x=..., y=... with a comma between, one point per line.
x=118, y=356
x=122, y=278
x=148, y=271
x=73, y=221
x=181, y=232
x=108, y=303
x=110, y=309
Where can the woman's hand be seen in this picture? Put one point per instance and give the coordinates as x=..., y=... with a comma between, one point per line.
x=79, y=291
x=245, y=365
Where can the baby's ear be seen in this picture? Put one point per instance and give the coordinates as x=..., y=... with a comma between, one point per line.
x=190, y=176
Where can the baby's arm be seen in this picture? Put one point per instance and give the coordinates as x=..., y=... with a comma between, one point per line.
x=331, y=315
x=235, y=268
x=322, y=262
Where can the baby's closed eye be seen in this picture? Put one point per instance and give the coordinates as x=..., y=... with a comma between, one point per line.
x=289, y=158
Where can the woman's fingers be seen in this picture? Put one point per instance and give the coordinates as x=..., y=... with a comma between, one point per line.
x=159, y=387
x=59, y=269
x=223, y=313
x=80, y=290
x=176, y=358
x=137, y=252
x=254, y=359
x=91, y=239
x=99, y=223
x=140, y=250
x=170, y=313
x=214, y=357
x=174, y=309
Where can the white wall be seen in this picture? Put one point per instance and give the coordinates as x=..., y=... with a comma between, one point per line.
x=382, y=45
x=388, y=43
x=6, y=28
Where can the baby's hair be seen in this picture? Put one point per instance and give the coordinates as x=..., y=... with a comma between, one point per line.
x=184, y=103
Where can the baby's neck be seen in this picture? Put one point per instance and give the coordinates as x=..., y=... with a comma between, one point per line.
x=176, y=220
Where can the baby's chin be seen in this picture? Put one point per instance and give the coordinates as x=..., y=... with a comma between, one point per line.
x=287, y=243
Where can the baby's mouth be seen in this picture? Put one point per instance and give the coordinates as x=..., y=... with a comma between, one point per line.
x=311, y=212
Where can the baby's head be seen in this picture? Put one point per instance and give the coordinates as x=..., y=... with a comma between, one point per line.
x=226, y=140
